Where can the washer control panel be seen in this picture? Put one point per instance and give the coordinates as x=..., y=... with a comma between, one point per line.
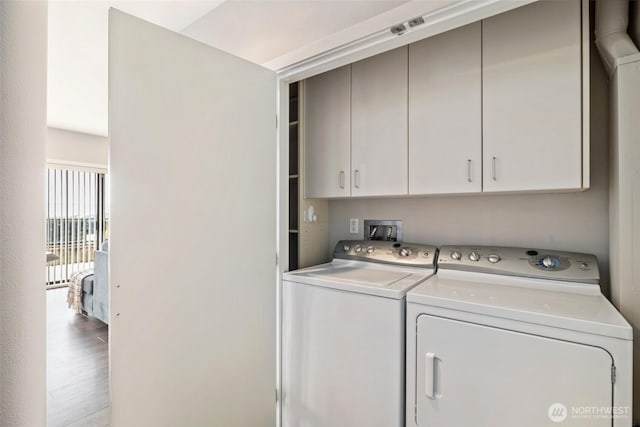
x=524, y=262
x=408, y=254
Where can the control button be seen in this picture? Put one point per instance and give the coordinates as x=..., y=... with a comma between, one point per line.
x=358, y=248
x=532, y=253
x=550, y=262
x=346, y=247
x=425, y=254
x=370, y=249
x=405, y=252
x=456, y=255
x=493, y=258
x=474, y=256
x=584, y=265
x=553, y=263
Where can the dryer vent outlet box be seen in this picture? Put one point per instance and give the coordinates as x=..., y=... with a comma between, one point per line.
x=378, y=229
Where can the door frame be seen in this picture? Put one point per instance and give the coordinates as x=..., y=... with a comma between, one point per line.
x=440, y=20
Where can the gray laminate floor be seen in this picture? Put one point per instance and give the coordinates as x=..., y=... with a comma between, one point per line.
x=77, y=366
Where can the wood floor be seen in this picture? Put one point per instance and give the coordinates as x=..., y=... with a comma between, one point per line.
x=77, y=366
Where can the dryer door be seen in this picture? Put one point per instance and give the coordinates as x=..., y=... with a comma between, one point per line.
x=470, y=374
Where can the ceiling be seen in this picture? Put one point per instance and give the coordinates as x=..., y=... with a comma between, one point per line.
x=260, y=31
x=278, y=34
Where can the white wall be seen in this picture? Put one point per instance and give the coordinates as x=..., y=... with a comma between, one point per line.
x=624, y=211
x=77, y=66
x=570, y=221
x=23, y=55
x=77, y=149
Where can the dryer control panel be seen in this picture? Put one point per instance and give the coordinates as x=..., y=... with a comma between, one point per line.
x=523, y=262
x=406, y=254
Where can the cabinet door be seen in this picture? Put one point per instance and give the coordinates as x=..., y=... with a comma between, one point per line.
x=474, y=375
x=192, y=161
x=379, y=125
x=532, y=98
x=327, y=124
x=445, y=103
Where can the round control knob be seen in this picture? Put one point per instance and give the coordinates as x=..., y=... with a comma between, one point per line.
x=358, y=248
x=549, y=262
x=474, y=256
x=370, y=249
x=456, y=255
x=405, y=252
x=493, y=258
x=346, y=247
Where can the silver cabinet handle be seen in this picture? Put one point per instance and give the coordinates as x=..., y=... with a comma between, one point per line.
x=469, y=170
x=493, y=166
x=341, y=179
x=356, y=178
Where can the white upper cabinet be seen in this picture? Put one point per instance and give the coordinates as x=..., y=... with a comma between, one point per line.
x=379, y=125
x=445, y=110
x=494, y=106
x=327, y=129
x=532, y=98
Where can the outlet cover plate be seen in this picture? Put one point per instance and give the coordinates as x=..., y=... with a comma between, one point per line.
x=353, y=225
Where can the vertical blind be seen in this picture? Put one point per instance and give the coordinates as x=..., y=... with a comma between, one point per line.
x=76, y=221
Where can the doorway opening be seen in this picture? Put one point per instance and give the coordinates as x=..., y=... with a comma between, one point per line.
x=77, y=230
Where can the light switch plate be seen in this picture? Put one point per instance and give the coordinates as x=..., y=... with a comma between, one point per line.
x=353, y=226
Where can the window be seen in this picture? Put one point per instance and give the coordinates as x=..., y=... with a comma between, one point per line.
x=76, y=221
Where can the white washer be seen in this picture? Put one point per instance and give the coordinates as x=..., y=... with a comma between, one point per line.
x=343, y=335
x=505, y=337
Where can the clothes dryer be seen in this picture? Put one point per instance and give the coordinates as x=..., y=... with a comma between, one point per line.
x=505, y=337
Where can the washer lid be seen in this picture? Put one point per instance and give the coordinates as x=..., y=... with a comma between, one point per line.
x=528, y=300
x=363, y=277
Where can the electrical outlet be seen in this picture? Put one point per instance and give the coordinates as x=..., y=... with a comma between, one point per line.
x=353, y=226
